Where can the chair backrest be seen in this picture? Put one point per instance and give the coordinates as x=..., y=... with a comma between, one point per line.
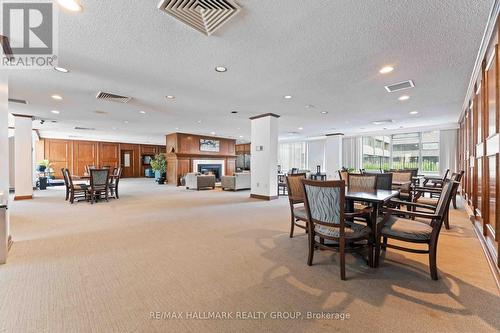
x=295, y=188
x=402, y=176
x=384, y=180
x=343, y=175
x=294, y=170
x=66, y=182
x=446, y=173
x=99, y=178
x=456, y=176
x=443, y=203
x=362, y=182
x=325, y=202
x=67, y=175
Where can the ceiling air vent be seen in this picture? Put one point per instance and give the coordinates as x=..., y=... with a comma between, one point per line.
x=19, y=101
x=400, y=86
x=84, y=128
x=206, y=16
x=383, y=122
x=112, y=97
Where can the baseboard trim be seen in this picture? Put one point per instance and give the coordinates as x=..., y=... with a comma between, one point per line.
x=488, y=253
x=23, y=197
x=263, y=197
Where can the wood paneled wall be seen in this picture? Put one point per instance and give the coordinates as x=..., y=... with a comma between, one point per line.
x=479, y=148
x=183, y=148
x=243, y=148
x=76, y=154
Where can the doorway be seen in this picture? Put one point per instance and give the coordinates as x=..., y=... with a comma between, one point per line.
x=127, y=163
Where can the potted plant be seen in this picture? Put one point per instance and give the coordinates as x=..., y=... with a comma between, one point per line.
x=159, y=165
x=43, y=165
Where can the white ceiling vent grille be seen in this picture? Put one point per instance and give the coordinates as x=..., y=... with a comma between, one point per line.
x=18, y=101
x=206, y=16
x=112, y=97
x=400, y=86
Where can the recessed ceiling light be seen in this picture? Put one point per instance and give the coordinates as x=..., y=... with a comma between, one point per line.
x=309, y=106
x=170, y=97
x=177, y=128
x=55, y=112
x=72, y=5
x=142, y=112
x=241, y=136
x=213, y=133
x=301, y=128
x=61, y=69
x=57, y=97
x=386, y=69
x=238, y=128
x=287, y=97
x=199, y=121
x=114, y=128
x=413, y=112
x=324, y=112
x=404, y=98
x=125, y=121
x=220, y=69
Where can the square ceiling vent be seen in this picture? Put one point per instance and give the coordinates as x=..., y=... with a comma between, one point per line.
x=400, y=86
x=206, y=16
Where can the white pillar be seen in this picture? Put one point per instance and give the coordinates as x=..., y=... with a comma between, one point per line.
x=264, y=156
x=333, y=153
x=23, y=156
x=4, y=166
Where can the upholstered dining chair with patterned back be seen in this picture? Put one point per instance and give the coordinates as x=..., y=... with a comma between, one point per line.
x=296, y=197
x=325, y=202
x=416, y=227
x=99, y=184
x=405, y=190
x=343, y=175
x=362, y=183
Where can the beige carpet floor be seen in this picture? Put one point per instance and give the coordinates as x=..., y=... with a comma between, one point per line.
x=106, y=267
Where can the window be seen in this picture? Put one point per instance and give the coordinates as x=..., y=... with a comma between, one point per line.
x=376, y=152
x=292, y=155
x=402, y=151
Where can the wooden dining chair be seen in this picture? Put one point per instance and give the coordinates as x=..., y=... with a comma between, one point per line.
x=415, y=226
x=114, y=181
x=384, y=180
x=324, y=203
x=405, y=192
x=66, y=183
x=76, y=191
x=99, y=184
x=296, y=200
x=362, y=183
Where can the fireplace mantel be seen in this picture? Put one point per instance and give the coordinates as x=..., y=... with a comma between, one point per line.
x=183, y=150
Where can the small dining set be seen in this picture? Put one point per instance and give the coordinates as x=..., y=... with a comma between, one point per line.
x=366, y=213
x=100, y=184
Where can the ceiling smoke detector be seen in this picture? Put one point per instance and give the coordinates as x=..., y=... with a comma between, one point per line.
x=206, y=16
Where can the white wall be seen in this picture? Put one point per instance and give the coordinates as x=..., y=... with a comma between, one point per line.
x=4, y=164
x=333, y=152
x=23, y=157
x=264, y=163
x=12, y=164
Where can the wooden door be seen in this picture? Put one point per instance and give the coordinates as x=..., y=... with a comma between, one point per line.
x=127, y=163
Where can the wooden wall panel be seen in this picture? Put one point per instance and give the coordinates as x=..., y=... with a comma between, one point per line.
x=136, y=158
x=84, y=153
x=109, y=154
x=480, y=149
x=60, y=154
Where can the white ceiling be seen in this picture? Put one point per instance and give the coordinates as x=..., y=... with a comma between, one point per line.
x=323, y=52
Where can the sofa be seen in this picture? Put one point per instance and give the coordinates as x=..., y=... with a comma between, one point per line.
x=240, y=181
x=196, y=181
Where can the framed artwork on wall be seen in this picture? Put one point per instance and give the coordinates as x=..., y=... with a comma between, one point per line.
x=209, y=145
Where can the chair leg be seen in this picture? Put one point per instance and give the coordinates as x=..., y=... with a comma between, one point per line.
x=292, y=226
x=370, y=253
x=432, y=262
x=72, y=197
x=311, y=249
x=67, y=194
x=384, y=243
x=342, y=258
x=454, y=200
x=116, y=193
x=447, y=220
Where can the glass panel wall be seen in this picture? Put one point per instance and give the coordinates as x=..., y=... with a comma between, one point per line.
x=376, y=152
x=402, y=151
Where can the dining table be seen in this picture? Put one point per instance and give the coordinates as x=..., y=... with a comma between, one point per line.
x=376, y=199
